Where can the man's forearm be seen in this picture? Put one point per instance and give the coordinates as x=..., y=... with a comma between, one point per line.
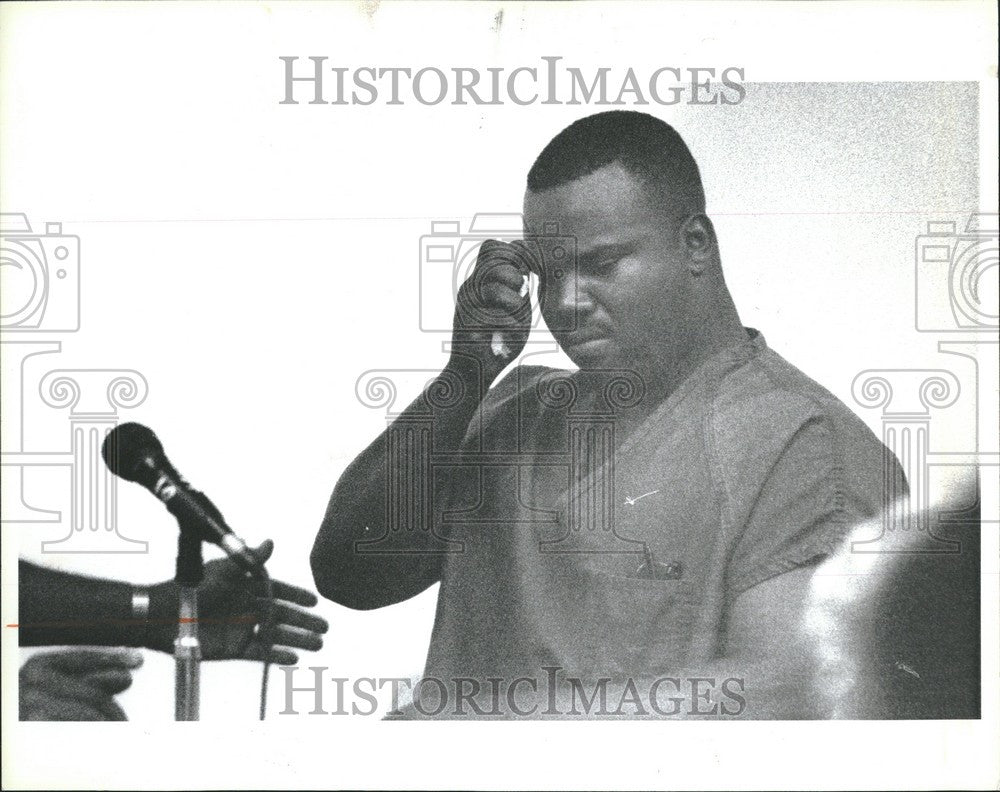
x=407, y=560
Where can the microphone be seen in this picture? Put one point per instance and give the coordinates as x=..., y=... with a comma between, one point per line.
x=133, y=452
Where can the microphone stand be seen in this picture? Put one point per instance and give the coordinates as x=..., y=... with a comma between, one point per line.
x=187, y=648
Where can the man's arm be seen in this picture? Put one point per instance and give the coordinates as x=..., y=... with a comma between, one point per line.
x=491, y=299
x=342, y=570
x=60, y=608
x=65, y=609
x=768, y=648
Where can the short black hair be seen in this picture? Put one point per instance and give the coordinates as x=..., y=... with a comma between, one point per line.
x=648, y=148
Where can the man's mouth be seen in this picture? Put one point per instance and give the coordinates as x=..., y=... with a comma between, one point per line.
x=580, y=340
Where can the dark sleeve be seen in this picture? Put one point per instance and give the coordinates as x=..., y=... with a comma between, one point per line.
x=808, y=503
x=56, y=608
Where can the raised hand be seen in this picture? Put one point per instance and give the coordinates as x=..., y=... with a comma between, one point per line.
x=231, y=607
x=494, y=300
x=76, y=685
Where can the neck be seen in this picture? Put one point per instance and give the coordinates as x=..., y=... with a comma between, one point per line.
x=716, y=327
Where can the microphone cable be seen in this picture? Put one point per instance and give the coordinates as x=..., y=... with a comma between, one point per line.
x=265, y=637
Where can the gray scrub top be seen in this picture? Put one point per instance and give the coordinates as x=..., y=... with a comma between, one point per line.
x=746, y=471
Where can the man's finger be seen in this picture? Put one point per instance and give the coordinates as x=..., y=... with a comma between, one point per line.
x=112, y=681
x=64, y=686
x=112, y=710
x=277, y=655
x=263, y=552
x=494, y=274
x=295, y=617
x=501, y=272
x=282, y=635
x=527, y=254
x=290, y=593
x=76, y=661
x=36, y=705
x=495, y=255
x=502, y=298
x=280, y=656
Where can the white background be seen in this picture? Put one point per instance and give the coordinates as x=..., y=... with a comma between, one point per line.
x=251, y=260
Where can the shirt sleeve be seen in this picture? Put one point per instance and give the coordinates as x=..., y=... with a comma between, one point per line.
x=802, y=511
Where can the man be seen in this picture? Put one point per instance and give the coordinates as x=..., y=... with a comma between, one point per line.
x=60, y=608
x=678, y=544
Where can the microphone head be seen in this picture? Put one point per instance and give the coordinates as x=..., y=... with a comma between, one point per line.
x=129, y=449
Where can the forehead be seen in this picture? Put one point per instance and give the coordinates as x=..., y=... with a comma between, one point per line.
x=598, y=204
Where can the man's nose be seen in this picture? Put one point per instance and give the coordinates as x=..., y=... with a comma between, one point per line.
x=569, y=300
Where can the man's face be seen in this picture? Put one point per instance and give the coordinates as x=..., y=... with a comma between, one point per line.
x=630, y=301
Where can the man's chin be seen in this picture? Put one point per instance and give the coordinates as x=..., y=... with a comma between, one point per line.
x=597, y=354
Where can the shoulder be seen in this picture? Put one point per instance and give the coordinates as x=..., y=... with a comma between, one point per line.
x=768, y=418
x=765, y=401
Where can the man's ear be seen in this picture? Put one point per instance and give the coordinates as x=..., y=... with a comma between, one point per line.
x=698, y=238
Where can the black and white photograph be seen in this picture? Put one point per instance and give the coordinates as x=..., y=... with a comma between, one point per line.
x=489, y=395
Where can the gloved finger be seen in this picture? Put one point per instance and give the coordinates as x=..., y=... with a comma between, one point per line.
x=278, y=655
x=281, y=635
x=264, y=550
x=281, y=656
x=296, y=617
x=290, y=593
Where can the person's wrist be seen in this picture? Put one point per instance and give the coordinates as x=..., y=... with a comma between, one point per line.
x=466, y=365
x=161, y=616
x=140, y=607
x=129, y=628
x=474, y=363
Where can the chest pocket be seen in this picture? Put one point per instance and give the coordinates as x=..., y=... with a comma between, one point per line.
x=620, y=625
x=596, y=614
